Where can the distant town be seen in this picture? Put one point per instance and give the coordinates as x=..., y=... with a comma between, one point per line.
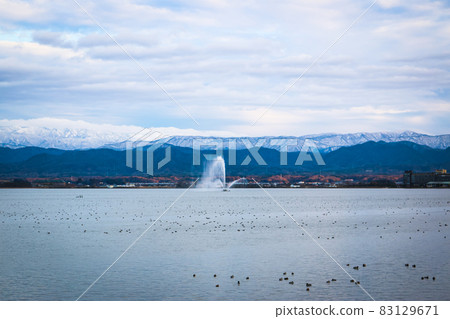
x=410, y=179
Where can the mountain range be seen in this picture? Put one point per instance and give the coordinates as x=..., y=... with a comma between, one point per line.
x=324, y=142
x=51, y=148
x=366, y=158
x=115, y=137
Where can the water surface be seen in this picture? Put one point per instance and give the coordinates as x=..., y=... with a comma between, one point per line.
x=56, y=242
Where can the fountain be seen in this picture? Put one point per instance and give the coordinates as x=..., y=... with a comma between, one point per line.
x=214, y=174
x=239, y=180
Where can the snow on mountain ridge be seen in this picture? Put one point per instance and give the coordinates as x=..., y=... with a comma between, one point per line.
x=325, y=142
x=70, y=135
x=60, y=133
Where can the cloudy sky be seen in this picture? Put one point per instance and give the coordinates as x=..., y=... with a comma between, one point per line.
x=226, y=62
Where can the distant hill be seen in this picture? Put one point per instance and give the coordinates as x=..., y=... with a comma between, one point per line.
x=384, y=157
x=369, y=157
x=8, y=155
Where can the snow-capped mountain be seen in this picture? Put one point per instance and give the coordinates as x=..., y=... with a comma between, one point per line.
x=70, y=135
x=61, y=134
x=324, y=142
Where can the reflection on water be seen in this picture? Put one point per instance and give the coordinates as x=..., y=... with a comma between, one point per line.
x=55, y=243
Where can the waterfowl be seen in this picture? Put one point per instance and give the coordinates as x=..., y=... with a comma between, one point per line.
x=217, y=285
x=406, y=265
x=434, y=278
x=239, y=282
x=247, y=278
x=193, y=275
x=356, y=267
x=291, y=282
x=328, y=281
x=307, y=289
x=286, y=278
x=364, y=265
x=232, y=276
x=414, y=266
x=308, y=285
x=333, y=279
x=215, y=275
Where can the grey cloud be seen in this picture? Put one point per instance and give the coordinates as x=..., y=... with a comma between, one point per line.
x=56, y=39
x=95, y=39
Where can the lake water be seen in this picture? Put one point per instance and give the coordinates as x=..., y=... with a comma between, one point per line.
x=54, y=244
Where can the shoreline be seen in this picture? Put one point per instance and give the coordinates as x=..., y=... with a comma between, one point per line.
x=272, y=187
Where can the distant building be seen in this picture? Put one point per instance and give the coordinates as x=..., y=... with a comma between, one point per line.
x=438, y=178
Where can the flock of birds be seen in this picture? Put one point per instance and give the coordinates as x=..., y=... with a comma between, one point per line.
x=288, y=277
x=231, y=277
x=91, y=217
